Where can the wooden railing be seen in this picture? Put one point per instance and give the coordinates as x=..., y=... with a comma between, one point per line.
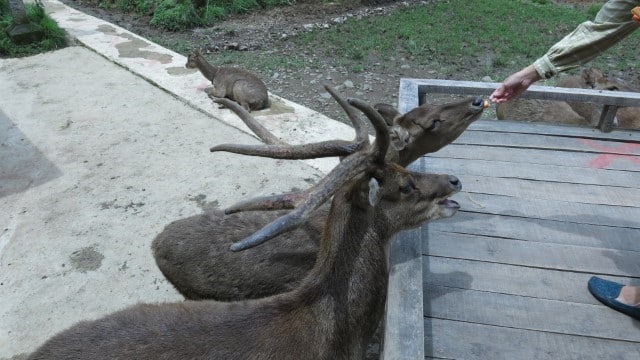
x=413, y=91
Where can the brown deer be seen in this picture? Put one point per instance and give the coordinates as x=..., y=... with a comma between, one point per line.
x=626, y=117
x=192, y=252
x=335, y=310
x=575, y=113
x=236, y=84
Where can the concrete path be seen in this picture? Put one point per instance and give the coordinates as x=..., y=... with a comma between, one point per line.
x=101, y=146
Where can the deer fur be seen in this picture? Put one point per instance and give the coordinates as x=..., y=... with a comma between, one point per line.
x=236, y=84
x=626, y=117
x=332, y=314
x=575, y=113
x=192, y=252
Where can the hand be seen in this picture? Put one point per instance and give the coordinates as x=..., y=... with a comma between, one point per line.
x=515, y=85
x=636, y=19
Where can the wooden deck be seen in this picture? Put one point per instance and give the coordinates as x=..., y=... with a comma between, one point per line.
x=543, y=208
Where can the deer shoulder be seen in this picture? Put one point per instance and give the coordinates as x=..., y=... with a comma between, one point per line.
x=237, y=84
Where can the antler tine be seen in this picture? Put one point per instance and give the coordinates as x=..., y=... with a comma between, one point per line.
x=358, y=125
x=257, y=128
x=383, y=141
x=278, y=149
x=316, y=196
x=347, y=169
x=294, y=152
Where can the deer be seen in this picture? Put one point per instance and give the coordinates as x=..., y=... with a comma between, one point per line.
x=236, y=84
x=331, y=314
x=574, y=113
x=191, y=252
x=592, y=78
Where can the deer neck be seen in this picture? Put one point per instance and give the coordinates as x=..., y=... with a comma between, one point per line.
x=209, y=71
x=349, y=279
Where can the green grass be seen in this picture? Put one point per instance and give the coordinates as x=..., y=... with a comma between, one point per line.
x=495, y=39
x=54, y=37
x=510, y=33
x=183, y=14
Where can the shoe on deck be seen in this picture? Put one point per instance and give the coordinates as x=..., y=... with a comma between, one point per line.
x=607, y=291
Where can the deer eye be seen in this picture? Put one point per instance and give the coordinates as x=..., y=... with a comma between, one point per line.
x=435, y=124
x=407, y=188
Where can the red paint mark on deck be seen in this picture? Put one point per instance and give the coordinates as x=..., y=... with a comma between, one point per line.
x=604, y=160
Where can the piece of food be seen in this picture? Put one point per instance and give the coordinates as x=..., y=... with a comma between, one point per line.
x=486, y=104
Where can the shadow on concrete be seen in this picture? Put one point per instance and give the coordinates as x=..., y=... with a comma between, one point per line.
x=22, y=165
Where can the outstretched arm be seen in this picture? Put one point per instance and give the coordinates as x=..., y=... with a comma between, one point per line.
x=515, y=85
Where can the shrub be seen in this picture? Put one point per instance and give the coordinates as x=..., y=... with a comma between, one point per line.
x=54, y=37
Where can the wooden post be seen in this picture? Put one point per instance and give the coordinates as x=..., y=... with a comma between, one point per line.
x=22, y=31
x=606, y=118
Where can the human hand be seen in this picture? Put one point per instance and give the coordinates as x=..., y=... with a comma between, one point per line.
x=515, y=84
x=636, y=14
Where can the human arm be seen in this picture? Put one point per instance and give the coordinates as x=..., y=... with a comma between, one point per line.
x=515, y=84
x=591, y=38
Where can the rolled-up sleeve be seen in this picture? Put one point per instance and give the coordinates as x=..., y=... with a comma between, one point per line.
x=612, y=24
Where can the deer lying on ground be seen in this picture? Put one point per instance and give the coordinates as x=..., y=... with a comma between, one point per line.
x=192, y=252
x=626, y=117
x=334, y=311
x=576, y=113
x=236, y=84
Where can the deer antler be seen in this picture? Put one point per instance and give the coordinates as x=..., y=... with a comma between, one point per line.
x=348, y=168
x=278, y=149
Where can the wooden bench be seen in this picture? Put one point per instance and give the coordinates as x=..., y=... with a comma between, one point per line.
x=404, y=318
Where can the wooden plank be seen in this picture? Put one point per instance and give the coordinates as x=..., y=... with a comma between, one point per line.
x=509, y=279
x=446, y=339
x=528, y=313
x=537, y=156
x=538, y=172
x=557, y=191
x=510, y=251
x=540, y=230
x=403, y=317
x=517, y=140
x=408, y=95
x=542, y=128
x=579, y=213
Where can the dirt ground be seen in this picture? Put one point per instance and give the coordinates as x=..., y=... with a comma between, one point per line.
x=268, y=32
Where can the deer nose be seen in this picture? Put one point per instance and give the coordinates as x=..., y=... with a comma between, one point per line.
x=455, y=183
x=478, y=101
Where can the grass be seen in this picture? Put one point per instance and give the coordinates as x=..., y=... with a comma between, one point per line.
x=54, y=37
x=498, y=37
x=183, y=14
x=449, y=33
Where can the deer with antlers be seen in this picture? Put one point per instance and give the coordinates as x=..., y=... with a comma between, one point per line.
x=192, y=252
x=334, y=311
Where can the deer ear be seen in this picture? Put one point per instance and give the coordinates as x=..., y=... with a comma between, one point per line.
x=399, y=137
x=374, y=188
